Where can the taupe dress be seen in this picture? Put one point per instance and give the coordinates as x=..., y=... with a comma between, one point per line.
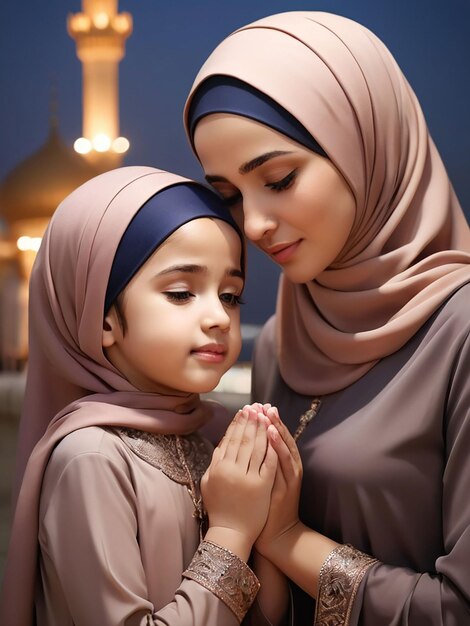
x=119, y=544
x=387, y=470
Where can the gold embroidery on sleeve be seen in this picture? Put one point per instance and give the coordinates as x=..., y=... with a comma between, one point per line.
x=340, y=577
x=224, y=574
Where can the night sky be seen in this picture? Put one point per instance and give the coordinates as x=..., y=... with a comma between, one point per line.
x=429, y=38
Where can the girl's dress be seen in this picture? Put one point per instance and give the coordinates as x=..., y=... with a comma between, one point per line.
x=104, y=531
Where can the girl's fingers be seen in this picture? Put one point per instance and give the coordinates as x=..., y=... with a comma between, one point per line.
x=233, y=439
x=228, y=433
x=237, y=436
x=248, y=440
x=260, y=444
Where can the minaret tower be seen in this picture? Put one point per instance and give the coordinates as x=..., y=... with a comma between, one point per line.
x=100, y=33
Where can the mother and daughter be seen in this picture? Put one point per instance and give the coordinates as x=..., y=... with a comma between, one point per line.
x=319, y=154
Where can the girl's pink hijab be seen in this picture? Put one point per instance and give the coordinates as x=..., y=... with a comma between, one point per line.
x=67, y=367
x=409, y=247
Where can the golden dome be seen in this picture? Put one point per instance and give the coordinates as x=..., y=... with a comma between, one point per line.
x=38, y=184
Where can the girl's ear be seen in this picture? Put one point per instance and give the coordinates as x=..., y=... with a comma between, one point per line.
x=111, y=328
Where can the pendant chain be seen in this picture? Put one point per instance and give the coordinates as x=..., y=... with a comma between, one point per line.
x=307, y=417
x=199, y=512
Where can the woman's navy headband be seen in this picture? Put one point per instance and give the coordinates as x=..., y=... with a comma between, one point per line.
x=154, y=222
x=224, y=94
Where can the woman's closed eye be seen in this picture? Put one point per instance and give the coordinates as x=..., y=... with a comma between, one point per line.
x=284, y=183
x=232, y=200
x=227, y=192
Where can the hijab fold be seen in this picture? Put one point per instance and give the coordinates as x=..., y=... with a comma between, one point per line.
x=409, y=248
x=70, y=382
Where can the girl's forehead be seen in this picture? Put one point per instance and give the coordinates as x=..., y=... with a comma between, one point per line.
x=201, y=238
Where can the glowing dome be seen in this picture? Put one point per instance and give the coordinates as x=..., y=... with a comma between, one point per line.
x=35, y=187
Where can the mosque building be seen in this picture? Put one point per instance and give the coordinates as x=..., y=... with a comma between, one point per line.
x=30, y=193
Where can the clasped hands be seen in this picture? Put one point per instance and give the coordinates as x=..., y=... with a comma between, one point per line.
x=251, y=488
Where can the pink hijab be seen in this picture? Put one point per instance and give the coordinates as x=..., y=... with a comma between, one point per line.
x=409, y=247
x=67, y=366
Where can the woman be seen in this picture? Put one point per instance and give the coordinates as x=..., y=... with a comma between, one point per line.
x=305, y=124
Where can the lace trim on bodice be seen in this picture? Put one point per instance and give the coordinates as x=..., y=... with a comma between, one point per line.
x=161, y=451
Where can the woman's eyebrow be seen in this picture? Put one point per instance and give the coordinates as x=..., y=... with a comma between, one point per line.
x=249, y=166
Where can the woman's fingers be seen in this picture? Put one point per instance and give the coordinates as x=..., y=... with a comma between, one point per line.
x=269, y=466
x=291, y=465
x=273, y=415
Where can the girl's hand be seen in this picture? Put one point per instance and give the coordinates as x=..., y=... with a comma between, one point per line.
x=236, y=488
x=284, y=510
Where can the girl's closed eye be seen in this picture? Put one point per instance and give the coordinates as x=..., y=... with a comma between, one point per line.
x=231, y=300
x=284, y=183
x=179, y=297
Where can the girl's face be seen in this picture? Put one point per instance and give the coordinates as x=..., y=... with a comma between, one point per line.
x=182, y=311
x=292, y=203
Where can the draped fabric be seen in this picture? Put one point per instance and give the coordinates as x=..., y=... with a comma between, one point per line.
x=409, y=247
x=70, y=384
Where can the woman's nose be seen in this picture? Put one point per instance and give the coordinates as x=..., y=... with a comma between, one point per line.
x=257, y=222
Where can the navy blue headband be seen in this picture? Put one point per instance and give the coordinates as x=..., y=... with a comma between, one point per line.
x=154, y=222
x=224, y=94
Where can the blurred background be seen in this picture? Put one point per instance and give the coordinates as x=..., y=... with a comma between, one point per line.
x=89, y=85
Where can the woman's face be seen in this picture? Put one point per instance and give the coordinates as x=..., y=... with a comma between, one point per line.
x=292, y=203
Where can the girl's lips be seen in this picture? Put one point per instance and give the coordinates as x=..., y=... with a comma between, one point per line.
x=282, y=253
x=212, y=353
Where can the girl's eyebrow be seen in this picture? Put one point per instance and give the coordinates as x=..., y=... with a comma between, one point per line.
x=187, y=268
x=191, y=268
x=249, y=166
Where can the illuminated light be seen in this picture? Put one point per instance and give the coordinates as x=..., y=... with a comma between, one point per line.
x=26, y=243
x=101, y=143
x=101, y=20
x=82, y=145
x=121, y=145
x=23, y=243
x=122, y=23
x=80, y=22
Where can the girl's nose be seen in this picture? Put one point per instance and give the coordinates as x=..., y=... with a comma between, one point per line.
x=216, y=316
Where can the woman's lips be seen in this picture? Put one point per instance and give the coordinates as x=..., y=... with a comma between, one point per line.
x=281, y=253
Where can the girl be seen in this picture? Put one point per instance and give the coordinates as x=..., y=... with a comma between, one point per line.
x=307, y=128
x=134, y=310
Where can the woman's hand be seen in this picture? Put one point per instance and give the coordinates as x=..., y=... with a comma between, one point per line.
x=236, y=488
x=284, y=510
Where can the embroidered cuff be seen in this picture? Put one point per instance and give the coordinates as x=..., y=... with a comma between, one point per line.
x=225, y=575
x=340, y=577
